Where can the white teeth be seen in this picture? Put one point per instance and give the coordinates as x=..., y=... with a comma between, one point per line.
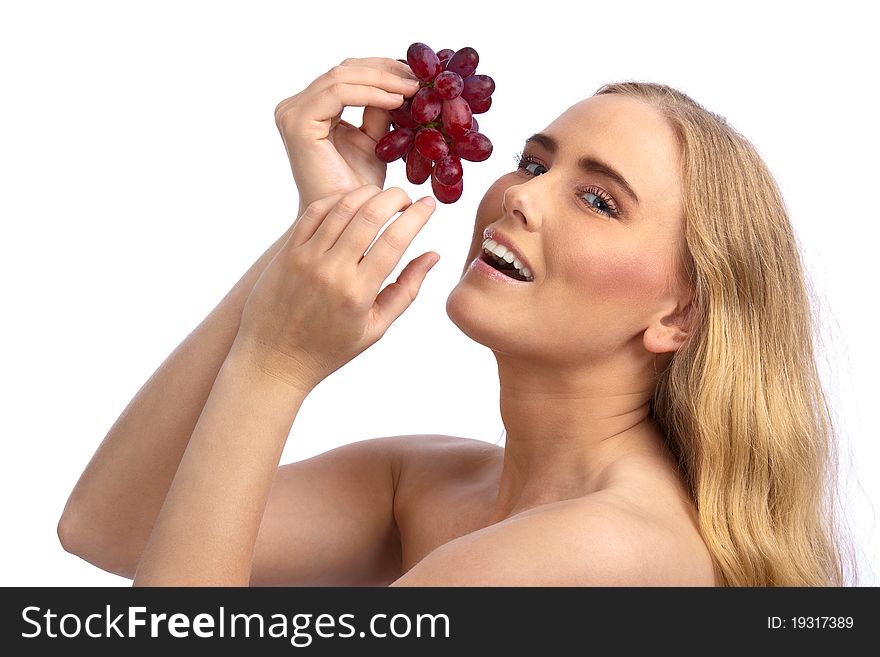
x=505, y=254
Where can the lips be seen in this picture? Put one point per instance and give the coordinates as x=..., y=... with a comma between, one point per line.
x=483, y=268
x=503, y=240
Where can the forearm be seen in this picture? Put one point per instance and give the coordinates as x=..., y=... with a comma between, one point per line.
x=110, y=512
x=207, y=528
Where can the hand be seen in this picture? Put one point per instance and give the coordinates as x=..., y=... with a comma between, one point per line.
x=328, y=155
x=317, y=305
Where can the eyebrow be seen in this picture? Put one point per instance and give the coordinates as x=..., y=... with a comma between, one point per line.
x=588, y=164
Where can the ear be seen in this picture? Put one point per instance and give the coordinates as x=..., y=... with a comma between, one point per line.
x=668, y=331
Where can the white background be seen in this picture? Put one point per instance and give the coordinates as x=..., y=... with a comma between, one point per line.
x=141, y=174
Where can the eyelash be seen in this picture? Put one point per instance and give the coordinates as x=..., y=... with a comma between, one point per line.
x=522, y=160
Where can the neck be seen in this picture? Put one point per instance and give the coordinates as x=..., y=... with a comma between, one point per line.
x=565, y=427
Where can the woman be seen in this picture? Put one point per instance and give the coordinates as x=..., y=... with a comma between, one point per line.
x=665, y=420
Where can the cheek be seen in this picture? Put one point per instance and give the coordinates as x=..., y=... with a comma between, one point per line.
x=619, y=276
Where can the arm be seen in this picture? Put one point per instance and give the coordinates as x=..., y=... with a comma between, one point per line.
x=109, y=514
x=207, y=531
x=112, y=508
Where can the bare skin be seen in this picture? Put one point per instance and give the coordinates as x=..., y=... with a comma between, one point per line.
x=585, y=491
x=449, y=486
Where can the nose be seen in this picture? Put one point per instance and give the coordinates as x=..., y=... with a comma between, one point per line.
x=522, y=203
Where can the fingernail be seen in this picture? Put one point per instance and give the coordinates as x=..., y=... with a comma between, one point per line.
x=412, y=83
x=429, y=201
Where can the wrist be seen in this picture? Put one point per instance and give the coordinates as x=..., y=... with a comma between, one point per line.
x=267, y=366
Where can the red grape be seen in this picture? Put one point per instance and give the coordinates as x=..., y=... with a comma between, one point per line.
x=447, y=193
x=448, y=85
x=436, y=129
x=426, y=105
x=474, y=147
x=423, y=61
x=457, y=117
x=481, y=105
x=444, y=56
x=402, y=117
x=448, y=171
x=477, y=87
x=431, y=143
x=418, y=167
x=464, y=62
x=394, y=144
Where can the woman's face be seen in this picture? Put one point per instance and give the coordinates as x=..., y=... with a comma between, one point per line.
x=604, y=264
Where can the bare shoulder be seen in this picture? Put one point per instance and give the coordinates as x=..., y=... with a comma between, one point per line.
x=432, y=462
x=635, y=531
x=436, y=470
x=591, y=541
x=419, y=452
x=632, y=539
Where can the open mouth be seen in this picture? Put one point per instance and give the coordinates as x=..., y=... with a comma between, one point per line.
x=506, y=268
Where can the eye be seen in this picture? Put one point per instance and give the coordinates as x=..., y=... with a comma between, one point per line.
x=525, y=162
x=600, y=201
x=594, y=197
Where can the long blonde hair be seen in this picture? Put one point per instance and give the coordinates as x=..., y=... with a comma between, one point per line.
x=741, y=403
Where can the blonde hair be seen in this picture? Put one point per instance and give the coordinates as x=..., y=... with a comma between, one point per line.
x=741, y=403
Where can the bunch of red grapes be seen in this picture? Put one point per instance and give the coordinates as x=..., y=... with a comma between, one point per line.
x=435, y=130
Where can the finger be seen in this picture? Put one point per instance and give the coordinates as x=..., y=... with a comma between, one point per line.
x=330, y=102
x=393, y=82
x=363, y=228
x=383, y=63
x=307, y=223
x=376, y=123
x=384, y=255
x=390, y=79
x=339, y=216
x=399, y=295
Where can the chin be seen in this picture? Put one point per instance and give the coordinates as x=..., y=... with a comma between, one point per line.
x=466, y=308
x=548, y=345
x=462, y=308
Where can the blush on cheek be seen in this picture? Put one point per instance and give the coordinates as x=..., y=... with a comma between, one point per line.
x=620, y=277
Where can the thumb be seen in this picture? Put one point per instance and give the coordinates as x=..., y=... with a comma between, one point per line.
x=392, y=301
x=375, y=123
